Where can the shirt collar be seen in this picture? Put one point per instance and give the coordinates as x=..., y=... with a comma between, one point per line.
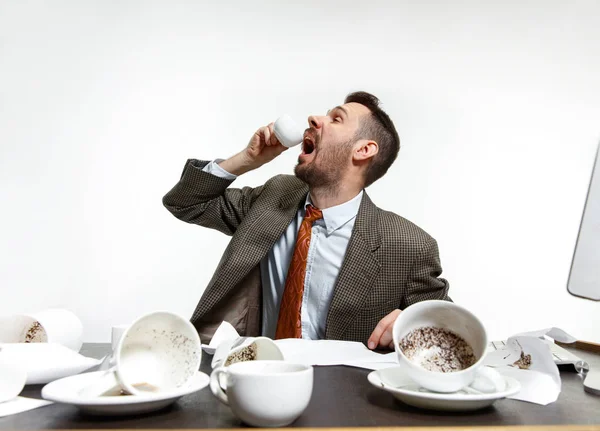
x=337, y=216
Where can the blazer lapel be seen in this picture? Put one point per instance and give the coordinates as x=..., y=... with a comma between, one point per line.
x=250, y=244
x=358, y=271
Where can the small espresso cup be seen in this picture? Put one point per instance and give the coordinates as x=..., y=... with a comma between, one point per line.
x=264, y=393
x=158, y=353
x=246, y=349
x=439, y=317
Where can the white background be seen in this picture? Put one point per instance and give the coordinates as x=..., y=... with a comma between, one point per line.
x=101, y=103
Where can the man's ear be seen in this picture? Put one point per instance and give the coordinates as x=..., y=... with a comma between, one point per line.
x=365, y=150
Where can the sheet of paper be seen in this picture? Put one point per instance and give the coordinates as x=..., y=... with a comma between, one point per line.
x=372, y=365
x=20, y=404
x=330, y=352
x=311, y=352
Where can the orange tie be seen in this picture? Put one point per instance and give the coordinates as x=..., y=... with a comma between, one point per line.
x=289, y=324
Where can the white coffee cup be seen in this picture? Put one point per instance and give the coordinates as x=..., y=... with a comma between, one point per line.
x=287, y=131
x=116, y=333
x=49, y=326
x=460, y=321
x=245, y=349
x=158, y=353
x=264, y=393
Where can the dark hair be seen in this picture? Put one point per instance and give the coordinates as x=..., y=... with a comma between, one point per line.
x=378, y=127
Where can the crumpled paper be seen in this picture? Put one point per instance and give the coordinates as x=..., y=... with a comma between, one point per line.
x=224, y=333
x=528, y=359
x=554, y=333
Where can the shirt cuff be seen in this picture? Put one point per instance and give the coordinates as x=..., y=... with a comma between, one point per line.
x=216, y=170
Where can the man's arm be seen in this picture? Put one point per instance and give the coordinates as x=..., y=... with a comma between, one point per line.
x=424, y=284
x=204, y=198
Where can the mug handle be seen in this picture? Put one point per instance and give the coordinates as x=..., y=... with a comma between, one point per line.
x=105, y=383
x=215, y=386
x=493, y=378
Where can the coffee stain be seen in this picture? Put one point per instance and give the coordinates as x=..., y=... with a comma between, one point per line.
x=35, y=334
x=142, y=387
x=145, y=387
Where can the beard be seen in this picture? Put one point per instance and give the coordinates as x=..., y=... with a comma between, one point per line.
x=326, y=168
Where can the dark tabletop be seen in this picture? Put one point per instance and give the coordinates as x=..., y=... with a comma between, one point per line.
x=342, y=397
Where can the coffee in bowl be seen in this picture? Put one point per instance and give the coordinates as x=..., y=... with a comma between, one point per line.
x=441, y=345
x=437, y=349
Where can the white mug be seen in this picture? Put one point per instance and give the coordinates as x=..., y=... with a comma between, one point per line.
x=264, y=393
x=55, y=325
x=12, y=379
x=159, y=352
x=449, y=316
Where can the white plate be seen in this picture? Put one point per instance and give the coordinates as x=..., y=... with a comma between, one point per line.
x=395, y=381
x=67, y=390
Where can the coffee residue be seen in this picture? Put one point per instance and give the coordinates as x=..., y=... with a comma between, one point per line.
x=524, y=362
x=248, y=353
x=35, y=334
x=437, y=349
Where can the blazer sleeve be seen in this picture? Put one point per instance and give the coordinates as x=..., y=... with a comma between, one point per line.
x=424, y=281
x=206, y=200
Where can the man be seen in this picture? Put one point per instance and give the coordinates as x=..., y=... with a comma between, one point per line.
x=311, y=256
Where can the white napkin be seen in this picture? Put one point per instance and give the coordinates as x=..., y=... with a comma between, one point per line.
x=538, y=374
x=45, y=362
x=20, y=404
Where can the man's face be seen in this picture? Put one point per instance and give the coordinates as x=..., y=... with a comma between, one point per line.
x=328, y=145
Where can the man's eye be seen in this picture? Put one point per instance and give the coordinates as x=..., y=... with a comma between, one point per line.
x=338, y=119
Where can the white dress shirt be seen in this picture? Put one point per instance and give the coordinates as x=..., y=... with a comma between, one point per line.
x=328, y=244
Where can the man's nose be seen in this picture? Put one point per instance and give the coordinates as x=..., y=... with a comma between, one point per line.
x=315, y=122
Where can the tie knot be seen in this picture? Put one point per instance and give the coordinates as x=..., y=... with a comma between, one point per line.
x=313, y=213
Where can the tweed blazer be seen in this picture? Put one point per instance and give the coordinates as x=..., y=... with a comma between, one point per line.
x=390, y=262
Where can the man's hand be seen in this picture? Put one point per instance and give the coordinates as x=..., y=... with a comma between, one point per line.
x=382, y=335
x=262, y=148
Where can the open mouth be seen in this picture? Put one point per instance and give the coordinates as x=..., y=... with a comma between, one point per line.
x=308, y=146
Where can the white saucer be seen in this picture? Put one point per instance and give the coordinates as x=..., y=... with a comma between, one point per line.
x=67, y=390
x=395, y=381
